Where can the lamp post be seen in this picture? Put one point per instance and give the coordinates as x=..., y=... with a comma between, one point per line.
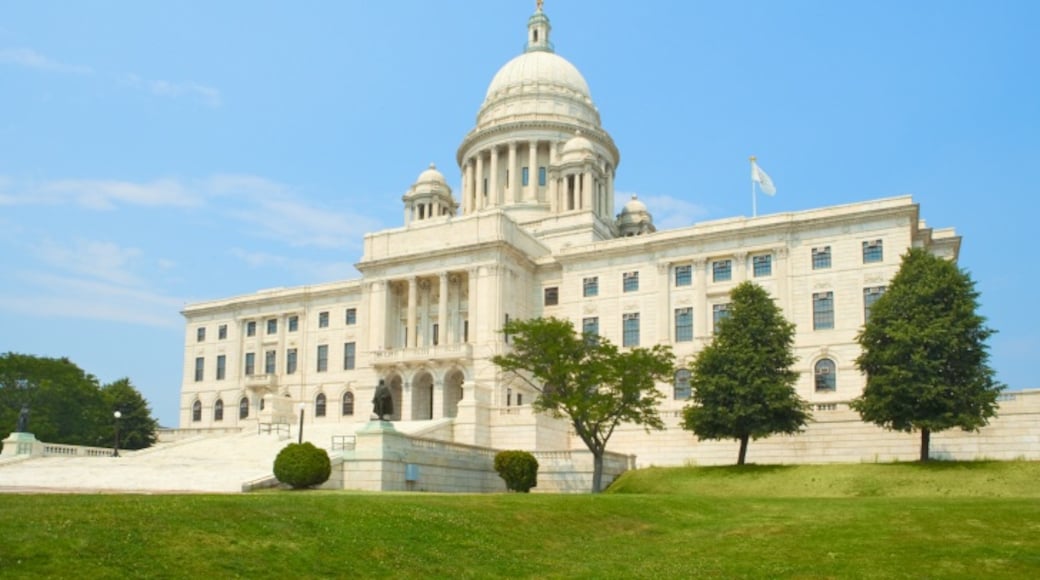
x=301, y=407
x=117, y=415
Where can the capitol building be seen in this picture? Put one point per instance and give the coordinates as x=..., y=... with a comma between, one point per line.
x=531, y=229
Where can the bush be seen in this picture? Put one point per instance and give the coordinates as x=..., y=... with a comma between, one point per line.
x=302, y=465
x=519, y=469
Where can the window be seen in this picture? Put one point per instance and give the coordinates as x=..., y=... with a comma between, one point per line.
x=870, y=296
x=823, y=310
x=821, y=258
x=722, y=270
x=525, y=176
x=272, y=326
x=630, y=281
x=323, y=320
x=251, y=328
x=590, y=329
x=348, y=404
x=683, y=275
x=681, y=389
x=290, y=361
x=762, y=265
x=323, y=358
x=218, y=410
x=719, y=312
x=221, y=367
x=196, y=411
x=590, y=286
x=519, y=399
x=351, y=316
x=552, y=296
x=200, y=364
x=250, y=363
x=200, y=334
x=436, y=328
x=826, y=379
x=541, y=176
x=243, y=408
x=506, y=335
x=630, y=329
x=683, y=324
x=873, y=251
x=222, y=332
x=465, y=330
x=319, y=405
x=294, y=323
x=349, y=350
x=269, y=366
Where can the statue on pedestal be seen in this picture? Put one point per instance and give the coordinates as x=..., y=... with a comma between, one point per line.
x=23, y=420
x=383, y=402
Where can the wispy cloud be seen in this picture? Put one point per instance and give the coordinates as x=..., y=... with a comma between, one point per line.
x=28, y=58
x=668, y=212
x=105, y=261
x=313, y=270
x=206, y=95
x=103, y=194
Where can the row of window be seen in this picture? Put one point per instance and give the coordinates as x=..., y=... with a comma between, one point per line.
x=823, y=306
x=873, y=251
x=320, y=407
x=825, y=379
x=292, y=324
x=525, y=178
x=270, y=362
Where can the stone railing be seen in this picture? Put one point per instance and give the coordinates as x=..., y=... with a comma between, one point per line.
x=61, y=450
x=444, y=352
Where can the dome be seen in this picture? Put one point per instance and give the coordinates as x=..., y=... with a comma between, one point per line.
x=539, y=68
x=431, y=175
x=576, y=146
x=634, y=206
x=635, y=219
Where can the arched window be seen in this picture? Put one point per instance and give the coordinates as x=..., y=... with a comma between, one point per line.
x=218, y=410
x=348, y=404
x=243, y=408
x=826, y=377
x=319, y=405
x=196, y=411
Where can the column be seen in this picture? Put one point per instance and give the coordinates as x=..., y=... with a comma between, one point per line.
x=531, y=193
x=406, y=399
x=665, y=316
x=514, y=176
x=610, y=191
x=442, y=310
x=588, y=190
x=480, y=201
x=472, y=299
x=422, y=334
x=701, y=313
x=411, y=327
x=493, y=199
x=467, y=186
x=438, y=398
x=378, y=306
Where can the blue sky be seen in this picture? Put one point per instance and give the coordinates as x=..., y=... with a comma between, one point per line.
x=154, y=154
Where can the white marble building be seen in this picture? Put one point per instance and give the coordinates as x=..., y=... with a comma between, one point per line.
x=533, y=231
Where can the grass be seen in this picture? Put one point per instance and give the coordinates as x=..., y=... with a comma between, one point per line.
x=965, y=520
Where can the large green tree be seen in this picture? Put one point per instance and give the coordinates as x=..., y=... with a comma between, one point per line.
x=925, y=354
x=587, y=379
x=743, y=385
x=137, y=427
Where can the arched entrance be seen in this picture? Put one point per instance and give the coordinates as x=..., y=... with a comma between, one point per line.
x=422, y=396
x=453, y=392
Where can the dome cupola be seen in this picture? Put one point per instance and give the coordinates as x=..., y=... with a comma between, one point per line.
x=635, y=219
x=429, y=197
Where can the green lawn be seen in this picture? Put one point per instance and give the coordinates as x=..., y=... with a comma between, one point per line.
x=975, y=520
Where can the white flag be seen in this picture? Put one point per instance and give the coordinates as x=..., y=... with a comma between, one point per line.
x=760, y=177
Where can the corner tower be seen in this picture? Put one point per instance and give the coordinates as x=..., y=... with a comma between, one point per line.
x=538, y=151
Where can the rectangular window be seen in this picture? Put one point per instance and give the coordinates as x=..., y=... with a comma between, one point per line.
x=873, y=251
x=351, y=316
x=485, y=186
x=200, y=334
x=290, y=361
x=222, y=332
x=630, y=329
x=525, y=176
x=722, y=270
x=552, y=296
x=221, y=367
x=821, y=258
x=630, y=281
x=763, y=265
x=294, y=323
x=272, y=326
x=590, y=328
x=823, y=310
x=250, y=364
x=681, y=391
x=719, y=312
x=590, y=286
x=683, y=324
x=251, y=328
x=465, y=330
x=269, y=362
x=200, y=364
x=870, y=296
x=323, y=320
x=437, y=333
x=323, y=358
x=541, y=176
x=349, y=353
x=683, y=275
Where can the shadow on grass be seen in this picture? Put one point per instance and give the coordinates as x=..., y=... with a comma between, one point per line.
x=946, y=465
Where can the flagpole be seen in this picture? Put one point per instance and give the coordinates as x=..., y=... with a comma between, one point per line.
x=754, y=198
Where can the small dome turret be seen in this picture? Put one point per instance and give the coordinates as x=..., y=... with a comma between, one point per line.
x=635, y=219
x=429, y=197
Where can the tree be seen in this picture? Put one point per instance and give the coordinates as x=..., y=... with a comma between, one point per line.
x=65, y=402
x=925, y=354
x=519, y=469
x=586, y=379
x=136, y=425
x=302, y=465
x=743, y=385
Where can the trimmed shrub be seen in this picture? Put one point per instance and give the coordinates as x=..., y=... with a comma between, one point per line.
x=302, y=465
x=519, y=469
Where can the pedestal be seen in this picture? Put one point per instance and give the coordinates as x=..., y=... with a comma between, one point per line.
x=21, y=444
